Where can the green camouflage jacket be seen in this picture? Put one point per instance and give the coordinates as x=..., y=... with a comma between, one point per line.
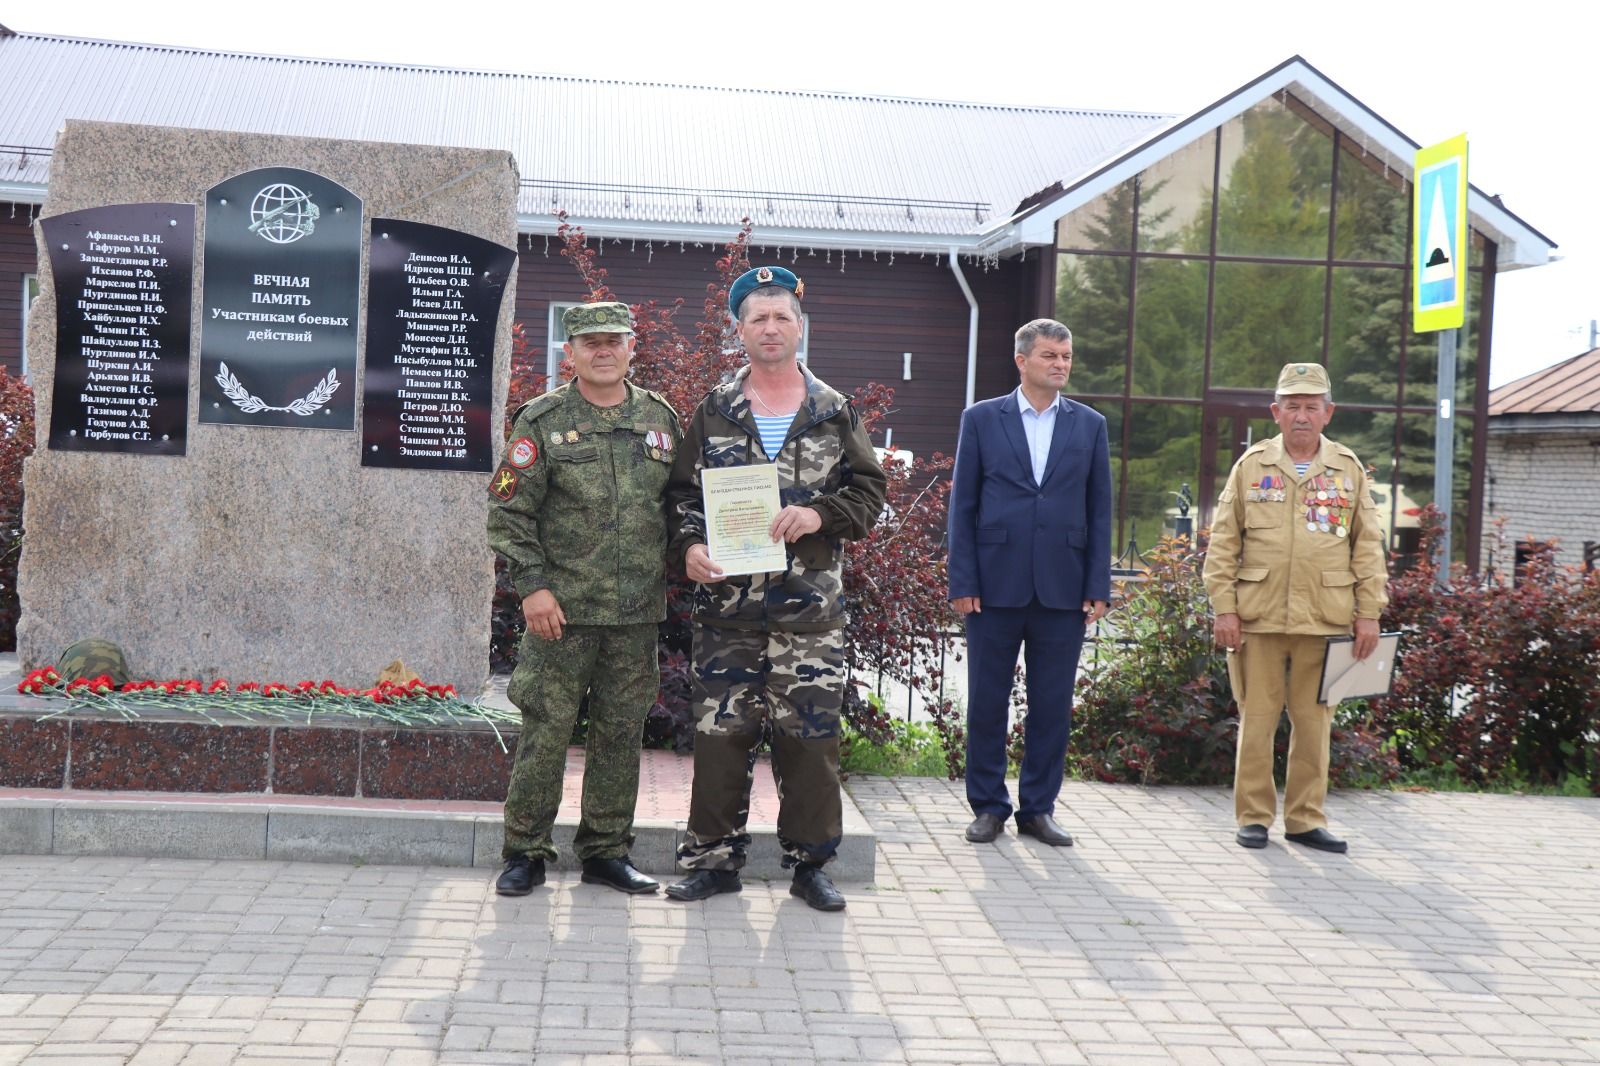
x=576, y=504
x=826, y=463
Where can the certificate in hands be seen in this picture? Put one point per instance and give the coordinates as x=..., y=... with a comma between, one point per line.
x=741, y=502
x=1344, y=677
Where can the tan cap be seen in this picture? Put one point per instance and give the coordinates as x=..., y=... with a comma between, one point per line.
x=1303, y=378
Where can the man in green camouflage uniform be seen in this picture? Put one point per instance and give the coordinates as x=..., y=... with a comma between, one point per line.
x=576, y=512
x=767, y=649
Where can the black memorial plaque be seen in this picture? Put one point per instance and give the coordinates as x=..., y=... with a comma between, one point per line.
x=123, y=276
x=279, y=304
x=433, y=303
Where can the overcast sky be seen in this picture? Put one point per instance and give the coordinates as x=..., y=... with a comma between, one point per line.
x=1518, y=79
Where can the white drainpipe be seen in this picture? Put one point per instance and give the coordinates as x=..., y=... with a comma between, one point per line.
x=972, y=327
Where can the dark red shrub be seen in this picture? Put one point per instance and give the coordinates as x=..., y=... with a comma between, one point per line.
x=1496, y=680
x=16, y=444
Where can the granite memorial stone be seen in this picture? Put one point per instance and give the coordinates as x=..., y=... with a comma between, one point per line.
x=252, y=553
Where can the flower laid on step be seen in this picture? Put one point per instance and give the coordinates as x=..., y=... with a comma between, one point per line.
x=386, y=705
x=39, y=680
x=102, y=683
x=46, y=681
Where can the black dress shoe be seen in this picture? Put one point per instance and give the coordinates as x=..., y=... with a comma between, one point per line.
x=619, y=874
x=816, y=888
x=985, y=827
x=1251, y=836
x=703, y=884
x=1044, y=828
x=1320, y=839
x=519, y=876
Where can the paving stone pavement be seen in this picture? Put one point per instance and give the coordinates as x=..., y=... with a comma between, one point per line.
x=1460, y=930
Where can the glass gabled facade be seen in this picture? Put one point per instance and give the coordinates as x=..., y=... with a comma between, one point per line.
x=1272, y=239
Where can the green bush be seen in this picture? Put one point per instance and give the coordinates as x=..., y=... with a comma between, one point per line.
x=1155, y=706
x=899, y=749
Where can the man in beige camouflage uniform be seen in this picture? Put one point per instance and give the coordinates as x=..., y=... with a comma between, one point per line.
x=577, y=515
x=1296, y=556
x=767, y=652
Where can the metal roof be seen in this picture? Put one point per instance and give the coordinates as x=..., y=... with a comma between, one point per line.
x=1569, y=387
x=850, y=168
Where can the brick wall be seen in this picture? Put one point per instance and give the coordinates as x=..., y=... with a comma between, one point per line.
x=1546, y=486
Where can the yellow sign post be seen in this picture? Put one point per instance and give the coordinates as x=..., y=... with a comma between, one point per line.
x=1439, y=299
x=1439, y=237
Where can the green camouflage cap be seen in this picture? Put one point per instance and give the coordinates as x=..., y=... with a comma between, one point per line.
x=92, y=657
x=610, y=317
x=1302, y=379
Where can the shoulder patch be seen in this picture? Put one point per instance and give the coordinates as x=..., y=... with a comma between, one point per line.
x=504, y=483
x=522, y=453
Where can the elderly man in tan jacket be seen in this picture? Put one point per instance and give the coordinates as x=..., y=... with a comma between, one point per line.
x=1296, y=556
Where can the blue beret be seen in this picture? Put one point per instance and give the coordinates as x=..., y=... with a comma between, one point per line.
x=760, y=277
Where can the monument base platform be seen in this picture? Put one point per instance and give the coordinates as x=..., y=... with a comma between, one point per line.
x=170, y=786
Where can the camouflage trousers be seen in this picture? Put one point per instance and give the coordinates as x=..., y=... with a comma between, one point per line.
x=747, y=684
x=616, y=667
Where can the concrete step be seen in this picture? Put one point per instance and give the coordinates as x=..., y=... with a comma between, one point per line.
x=361, y=831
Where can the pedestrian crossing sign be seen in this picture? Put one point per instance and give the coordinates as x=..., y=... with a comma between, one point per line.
x=1439, y=236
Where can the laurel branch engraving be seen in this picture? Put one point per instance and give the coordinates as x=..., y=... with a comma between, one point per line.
x=250, y=404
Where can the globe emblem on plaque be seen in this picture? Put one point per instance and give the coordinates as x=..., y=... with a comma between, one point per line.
x=283, y=214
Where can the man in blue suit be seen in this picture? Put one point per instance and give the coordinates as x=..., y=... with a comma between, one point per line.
x=1030, y=566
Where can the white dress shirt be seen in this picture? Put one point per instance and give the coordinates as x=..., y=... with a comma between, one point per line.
x=1038, y=427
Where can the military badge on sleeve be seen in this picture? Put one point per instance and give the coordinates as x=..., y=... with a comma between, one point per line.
x=523, y=453
x=504, y=484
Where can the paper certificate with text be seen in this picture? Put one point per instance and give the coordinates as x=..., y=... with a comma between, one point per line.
x=741, y=502
x=1344, y=677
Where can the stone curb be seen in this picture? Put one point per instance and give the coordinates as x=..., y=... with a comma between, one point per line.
x=237, y=827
